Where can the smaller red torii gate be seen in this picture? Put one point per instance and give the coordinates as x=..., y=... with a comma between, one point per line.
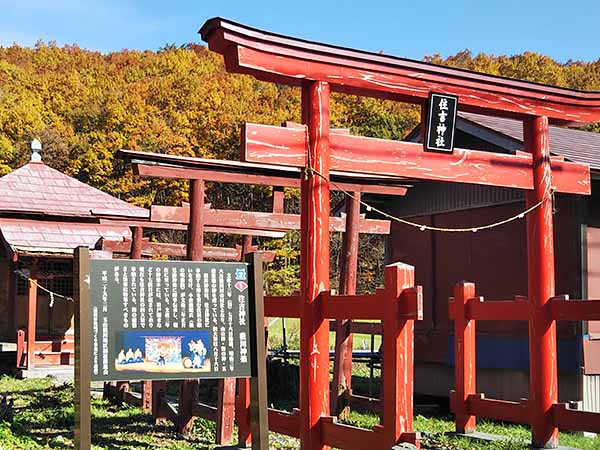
x=230, y=221
x=318, y=69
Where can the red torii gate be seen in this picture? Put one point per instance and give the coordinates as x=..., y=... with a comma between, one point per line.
x=318, y=68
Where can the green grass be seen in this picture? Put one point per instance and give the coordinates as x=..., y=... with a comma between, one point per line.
x=44, y=414
x=434, y=434
x=44, y=420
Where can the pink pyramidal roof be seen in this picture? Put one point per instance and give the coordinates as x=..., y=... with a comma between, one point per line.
x=36, y=188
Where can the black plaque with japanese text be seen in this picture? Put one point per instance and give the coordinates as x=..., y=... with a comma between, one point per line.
x=441, y=123
x=158, y=320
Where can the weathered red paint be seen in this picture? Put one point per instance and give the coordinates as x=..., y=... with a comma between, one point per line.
x=314, y=269
x=287, y=60
x=464, y=309
x=464, y=360
x=342, y=365
x=543, y=378
x=147, y=396
x=151, y=225
x=497, y=310
x=344, y=436
x=247, y=173
x=260, y=220
x=398, y=355
x=517, y=412
x=280, y=145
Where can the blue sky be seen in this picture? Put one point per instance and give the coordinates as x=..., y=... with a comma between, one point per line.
x=409, y=28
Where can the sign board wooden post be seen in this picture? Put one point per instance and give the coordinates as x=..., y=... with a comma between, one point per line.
x=81, y=266
x=259, y=420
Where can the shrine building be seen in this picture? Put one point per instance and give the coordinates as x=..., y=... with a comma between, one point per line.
x=495, y=260
x=44, y=215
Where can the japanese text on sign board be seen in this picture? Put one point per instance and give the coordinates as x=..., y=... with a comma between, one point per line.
x=169, y=320
x=441, y=122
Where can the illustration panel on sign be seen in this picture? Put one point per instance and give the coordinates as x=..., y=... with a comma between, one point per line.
x=164, y=352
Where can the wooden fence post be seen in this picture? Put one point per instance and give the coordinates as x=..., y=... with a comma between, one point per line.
x=464, y=357
x=398, y=356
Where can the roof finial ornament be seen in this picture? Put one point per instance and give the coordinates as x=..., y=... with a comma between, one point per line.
x=36, y=148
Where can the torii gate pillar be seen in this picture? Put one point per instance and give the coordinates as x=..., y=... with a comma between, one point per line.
x=543, y=378
x=314, y=266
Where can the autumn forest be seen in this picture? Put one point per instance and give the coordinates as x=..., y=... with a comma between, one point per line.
x=84, y=105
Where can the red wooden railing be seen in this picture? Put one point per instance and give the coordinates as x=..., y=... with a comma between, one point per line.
x=397, y=305
x=465, y=309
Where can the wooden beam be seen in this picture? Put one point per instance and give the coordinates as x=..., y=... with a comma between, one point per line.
x=290, y=180
x=516, y=412
x=149, y=225
x=179, y=250
x=284, y=423
x=346, y=436
x=574, y=310
x=497, y=310
x=286, y=146
x=264, y=220
x=283, y=59
x=566, y=418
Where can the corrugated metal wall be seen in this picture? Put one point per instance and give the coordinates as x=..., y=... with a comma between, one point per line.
x=591, y=393
x=433, y=197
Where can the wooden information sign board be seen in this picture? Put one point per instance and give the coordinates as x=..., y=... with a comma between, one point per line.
x=161, y=320
x=158, y=320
